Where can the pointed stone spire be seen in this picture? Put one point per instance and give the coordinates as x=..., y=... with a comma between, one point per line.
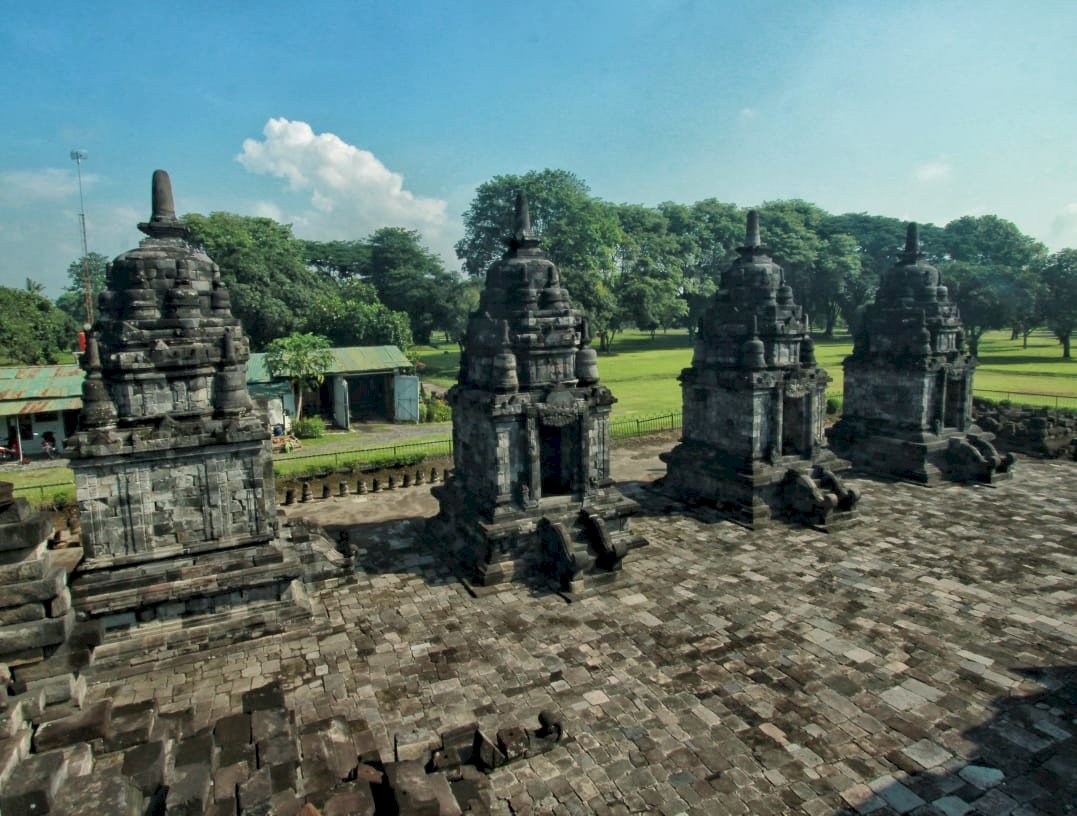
x=751, y=237
x=522, y=236
x=163, y=223
x=912, y=243
x=753, y=245
x=97, y=408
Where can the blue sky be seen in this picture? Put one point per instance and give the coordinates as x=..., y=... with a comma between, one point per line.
x=343, y=117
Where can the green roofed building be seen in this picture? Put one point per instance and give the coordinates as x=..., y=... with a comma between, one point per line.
x=367, y=382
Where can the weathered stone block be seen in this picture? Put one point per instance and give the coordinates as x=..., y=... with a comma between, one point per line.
x=415, y=745
x=144, y=765
x=21, y=614
x=31, y=789
x=189, y=788
x=92, y=723
x=413, y=791
x=349, y=799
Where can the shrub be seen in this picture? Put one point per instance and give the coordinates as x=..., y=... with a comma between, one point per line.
x=436, y=410
x=309, y=427
x=834, y=405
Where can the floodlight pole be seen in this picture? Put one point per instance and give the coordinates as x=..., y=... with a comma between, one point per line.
x=87, y=283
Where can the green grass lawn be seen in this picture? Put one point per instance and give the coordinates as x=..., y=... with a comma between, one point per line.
x=642, y=373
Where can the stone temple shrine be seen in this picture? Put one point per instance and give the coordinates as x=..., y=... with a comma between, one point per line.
x=173, y=471
x=908, y=385
x=753, y=444
x=530, y=490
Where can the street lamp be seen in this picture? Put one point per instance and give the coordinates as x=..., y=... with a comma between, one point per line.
x=87, y=284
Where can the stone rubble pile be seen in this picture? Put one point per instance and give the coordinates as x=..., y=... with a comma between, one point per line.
x=139, y=759
x=1040, y=432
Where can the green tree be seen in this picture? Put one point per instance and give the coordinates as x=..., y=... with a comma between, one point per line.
x=406, y=277
x=651, y=262
x=341, y=260
x=987, y=240
x=353, y=316
x=709, y=233
x=1060, y=296
x=72, y=301
x=579, y=233
x=410, y=278
x=262, y=265
x=303, y=360
x=460, y=305
x=1006, y=262
x=982, y=297
x=33, y=331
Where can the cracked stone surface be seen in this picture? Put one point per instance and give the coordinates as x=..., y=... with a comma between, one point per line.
x=923, y=661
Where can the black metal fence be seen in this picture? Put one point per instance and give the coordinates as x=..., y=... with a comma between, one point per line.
x=288, y=463
x=644, y=426
x=1030, y=398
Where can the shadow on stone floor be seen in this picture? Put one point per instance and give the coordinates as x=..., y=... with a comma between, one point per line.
x=396, y=546
x=1024, y=762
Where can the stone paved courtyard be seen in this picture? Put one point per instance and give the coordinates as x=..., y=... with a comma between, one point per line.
x=921, y=661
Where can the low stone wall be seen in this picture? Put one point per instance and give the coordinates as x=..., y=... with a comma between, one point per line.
x=1042, y=432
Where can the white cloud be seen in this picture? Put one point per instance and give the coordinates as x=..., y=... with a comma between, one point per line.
x=41, y=186
x=1063, y=232
x=267, y=209
x=932, y=171
x=351, y=193
x=747, y=115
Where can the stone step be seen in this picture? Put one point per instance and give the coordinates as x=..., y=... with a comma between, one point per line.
x=141, y=590
x=127, y=653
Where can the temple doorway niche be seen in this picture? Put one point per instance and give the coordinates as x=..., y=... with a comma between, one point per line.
x=554, y=458
x=954, y=414
x=794, y=425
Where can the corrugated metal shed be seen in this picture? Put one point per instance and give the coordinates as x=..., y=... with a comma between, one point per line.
x=33, y=389
x=351, y=360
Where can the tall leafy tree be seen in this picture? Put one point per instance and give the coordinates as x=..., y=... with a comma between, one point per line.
x=33, y=331
x=353, y=316
x=982, y=297
x=262, y=265
x=709, y=232
x=463, y=301
x=341, y=260
x=996, y=265
x=303, y=359
x=409, y=278
x=404, y=275
x=72, y=301
x=1060, y=296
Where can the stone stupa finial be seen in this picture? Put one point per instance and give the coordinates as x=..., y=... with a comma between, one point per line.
x=751, y=233
x=912, y=243
x=163, y=222
x=522, y=236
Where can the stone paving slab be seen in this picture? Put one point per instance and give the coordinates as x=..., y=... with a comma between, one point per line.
x=922, y=661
